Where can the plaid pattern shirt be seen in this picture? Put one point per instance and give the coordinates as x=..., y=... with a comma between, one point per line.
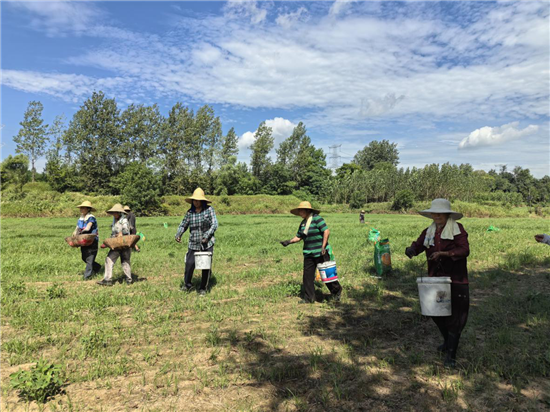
x=201, y=226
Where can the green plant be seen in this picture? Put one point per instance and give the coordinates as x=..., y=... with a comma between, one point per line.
x=56, y=291
x=94, y=342
x=403, y=200
x=42, y=382
x=357, y=200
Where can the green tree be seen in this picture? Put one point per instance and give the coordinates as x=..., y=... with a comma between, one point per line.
x=94, y=133
x=14, y=171
x=377, y=152
x=139, y=188
x=140, y=132
x=56, y=133
x=263, y=143
x=229, y=147
x=32, y=138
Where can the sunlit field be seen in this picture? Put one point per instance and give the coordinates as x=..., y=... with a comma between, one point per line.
x=249, y=346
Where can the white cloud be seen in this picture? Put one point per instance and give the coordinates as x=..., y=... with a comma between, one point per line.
x=339, y=6
x=61, y=17
x=287, y=20
x=281, y=129
x=491, y=136
x=245, y=8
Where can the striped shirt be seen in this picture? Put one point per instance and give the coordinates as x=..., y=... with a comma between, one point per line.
x=313, y=242
x=201, y=226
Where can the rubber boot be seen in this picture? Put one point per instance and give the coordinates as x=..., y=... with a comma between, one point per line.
x=452, y=347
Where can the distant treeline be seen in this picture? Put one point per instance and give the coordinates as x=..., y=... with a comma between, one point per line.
x=140, y=155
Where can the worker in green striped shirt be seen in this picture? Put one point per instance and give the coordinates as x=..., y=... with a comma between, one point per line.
x=314, y=232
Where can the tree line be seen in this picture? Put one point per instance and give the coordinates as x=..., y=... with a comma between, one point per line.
x=140, y=154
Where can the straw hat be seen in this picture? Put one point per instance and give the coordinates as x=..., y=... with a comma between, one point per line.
x=86, y=203
x=362, y=211
x=116, y=209
x=127, y=208
x=441, y=206
x=303, y=205
x=198, y=194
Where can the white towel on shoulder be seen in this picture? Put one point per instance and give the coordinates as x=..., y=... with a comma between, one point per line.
x=450, y=230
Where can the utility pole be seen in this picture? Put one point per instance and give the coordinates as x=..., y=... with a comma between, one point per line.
x=334, y=156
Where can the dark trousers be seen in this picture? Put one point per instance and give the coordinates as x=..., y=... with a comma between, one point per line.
x=89, y=254
x=310, y=264
x=190, y=267
x=451, y=326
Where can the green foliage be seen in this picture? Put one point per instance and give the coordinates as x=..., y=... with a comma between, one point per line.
x=403, y=200
x=229, y=147
x=39, y=384
x=56, y=291
x=357, y=200
x=263, y=143
x=139, y=188
x=94, y=342
x=62, y=177
x=14, y=171
x=377, y=152
x=32, y=138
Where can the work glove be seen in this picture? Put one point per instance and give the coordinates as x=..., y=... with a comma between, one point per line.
x=285, y=243
x=409, y=252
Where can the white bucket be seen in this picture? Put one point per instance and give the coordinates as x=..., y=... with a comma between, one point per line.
x=203, y=260
x=328, y=271
x=435, y=295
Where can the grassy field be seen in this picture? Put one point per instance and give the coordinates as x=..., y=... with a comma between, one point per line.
x=249, y=346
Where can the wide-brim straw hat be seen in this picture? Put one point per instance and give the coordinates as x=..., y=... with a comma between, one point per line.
x=127, y=208
x=86, y=203
x=441, y=206
x=117, y=208
x=198, y=194
x=362, y=211
x=303, y=205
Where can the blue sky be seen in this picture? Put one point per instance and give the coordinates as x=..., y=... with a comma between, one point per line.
x=459, y=82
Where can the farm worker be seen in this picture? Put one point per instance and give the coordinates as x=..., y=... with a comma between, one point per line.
x=202, y=223
x=119, y=227
x=446, y=245
x=543, y=239
x=314, y=232
x=132, y=221
x=362, y=217
x=87, y=224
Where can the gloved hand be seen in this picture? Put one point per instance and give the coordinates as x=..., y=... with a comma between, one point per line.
x=285, y=243
x=409, y=252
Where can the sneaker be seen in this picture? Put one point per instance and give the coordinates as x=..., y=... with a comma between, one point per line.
x=187, y=288
x=202, y=292
x=104, y=282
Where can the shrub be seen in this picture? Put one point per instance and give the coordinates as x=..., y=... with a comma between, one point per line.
x=357, y=200
x=225, y=200
x=42, y=382
x=403, y=200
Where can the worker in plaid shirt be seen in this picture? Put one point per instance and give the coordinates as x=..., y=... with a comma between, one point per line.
x=202, y=223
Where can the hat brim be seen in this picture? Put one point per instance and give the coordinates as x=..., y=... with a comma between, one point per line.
x=190, y=200
x=111, y=211
x=295, y=211
x=89, y=207
x=428, y=213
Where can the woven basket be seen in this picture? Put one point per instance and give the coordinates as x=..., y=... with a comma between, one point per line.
x=80, y=240
x=121, y=242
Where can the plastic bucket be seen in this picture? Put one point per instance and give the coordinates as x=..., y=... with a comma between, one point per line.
x=203, y=260
x=435, y=295
x=328, y=271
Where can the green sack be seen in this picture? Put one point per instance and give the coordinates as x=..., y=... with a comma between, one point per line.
x=374, y=235
x=165, y=225
x=330, y=254
x=382, y=257
x=493, y=229
x=141, y=237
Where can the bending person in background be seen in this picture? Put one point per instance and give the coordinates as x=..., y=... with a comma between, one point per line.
x=202, y=223
x=543, y=239
x=120, y=227
x=446, y=245
x=87, y=224
x=132, y=222
x=314, y=232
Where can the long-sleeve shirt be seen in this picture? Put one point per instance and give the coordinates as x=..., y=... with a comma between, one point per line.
x=201, y=225
x=546, y=239
x=453, y=266
x=120, y=226
x=83, y=222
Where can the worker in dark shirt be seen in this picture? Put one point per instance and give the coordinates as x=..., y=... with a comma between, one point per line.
x=132, y=221
x=446, y=246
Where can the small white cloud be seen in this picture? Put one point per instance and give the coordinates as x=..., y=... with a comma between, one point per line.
x=377, y=106
x=245, y=8
x=338, y=6
x=287, y=20
x=281, y=129
x=490, y=136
